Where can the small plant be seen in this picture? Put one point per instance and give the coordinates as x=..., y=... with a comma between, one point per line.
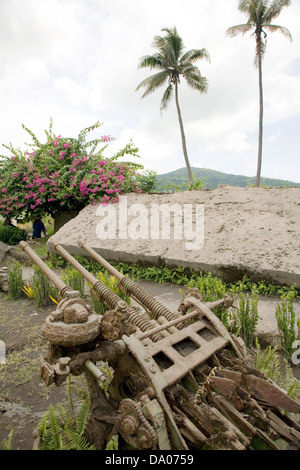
x=211, y=288
x=28, y=290
x=15, y=281
x=270, y=363
x=43, y=288
x=73, y=279
x=6, y=444
x=286, y=322
x=53, y=300
x=244, y=319
x=61, y=429
x=112, y=283
x=113, y=444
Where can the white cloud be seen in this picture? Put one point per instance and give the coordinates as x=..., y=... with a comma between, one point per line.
x=76, y=61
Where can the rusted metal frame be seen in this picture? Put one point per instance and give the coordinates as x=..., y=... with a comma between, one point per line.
x=159, y=383
x=183, y=364
x=192, y=302
x=142, y=336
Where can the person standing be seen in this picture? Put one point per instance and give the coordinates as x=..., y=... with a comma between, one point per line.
x=38, y=229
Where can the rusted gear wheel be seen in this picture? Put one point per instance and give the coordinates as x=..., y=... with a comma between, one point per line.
x=135, y=428
x=130, y=422
x=146, y=437
x=111, y=325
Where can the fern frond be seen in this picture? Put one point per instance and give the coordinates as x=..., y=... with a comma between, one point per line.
x=82, y=416
x=55, y=428
x=75, y=441
x=70, y=398
x=7, y=443
x=113, y=444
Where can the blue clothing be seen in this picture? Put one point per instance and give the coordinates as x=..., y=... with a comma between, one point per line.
x=38, y=228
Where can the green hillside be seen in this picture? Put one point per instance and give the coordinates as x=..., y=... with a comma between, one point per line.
x=214, y=178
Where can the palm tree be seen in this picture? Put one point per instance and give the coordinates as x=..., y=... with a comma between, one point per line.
x=260, y=14
x=172, y=63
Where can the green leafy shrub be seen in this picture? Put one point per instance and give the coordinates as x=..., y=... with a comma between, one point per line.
x=64, y=174
x=147, y=181
x=12, y=235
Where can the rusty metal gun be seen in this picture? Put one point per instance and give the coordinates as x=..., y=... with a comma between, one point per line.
x=181, y=380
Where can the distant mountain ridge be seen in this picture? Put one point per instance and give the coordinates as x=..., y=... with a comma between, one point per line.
x=214, y=178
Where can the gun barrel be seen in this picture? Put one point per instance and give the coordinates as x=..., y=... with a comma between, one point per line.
x=154, y=307
x=102, y=292
x=99, y=289
x=113, y=271
x=43, y=266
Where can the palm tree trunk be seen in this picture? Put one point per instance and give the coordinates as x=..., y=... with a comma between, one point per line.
x=260, y=130
x=187, y=163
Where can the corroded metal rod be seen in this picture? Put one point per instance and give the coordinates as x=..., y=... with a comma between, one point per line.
x=164, y=326
x=113, y=271
x=43, y=267
x=102, y=292
x=152, y=305
x=86, y=274
x=95, y=371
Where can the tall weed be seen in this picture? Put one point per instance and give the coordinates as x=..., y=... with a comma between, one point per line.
x=15, y=281
x=286, y=322
x=43, y=288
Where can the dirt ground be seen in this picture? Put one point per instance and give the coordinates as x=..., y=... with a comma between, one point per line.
x=23, y=395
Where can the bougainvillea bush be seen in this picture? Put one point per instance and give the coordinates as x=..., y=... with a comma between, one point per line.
x=64, y=174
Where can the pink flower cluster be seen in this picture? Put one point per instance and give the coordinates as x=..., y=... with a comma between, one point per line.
x=57, y=175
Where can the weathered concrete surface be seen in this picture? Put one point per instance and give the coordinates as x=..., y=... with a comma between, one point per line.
x=247, y=231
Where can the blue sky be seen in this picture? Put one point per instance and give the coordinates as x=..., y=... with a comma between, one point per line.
x=76, y=61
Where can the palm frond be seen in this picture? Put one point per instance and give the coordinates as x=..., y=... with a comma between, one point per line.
x=195, y=80
x=239, y=29
x=281, y=29
x=195, y=54
x=170, y=46
x=175, y=44
x=152, y=61
x=250, y=8
x=153, y=82
x=275, y=9
x=167, y=96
